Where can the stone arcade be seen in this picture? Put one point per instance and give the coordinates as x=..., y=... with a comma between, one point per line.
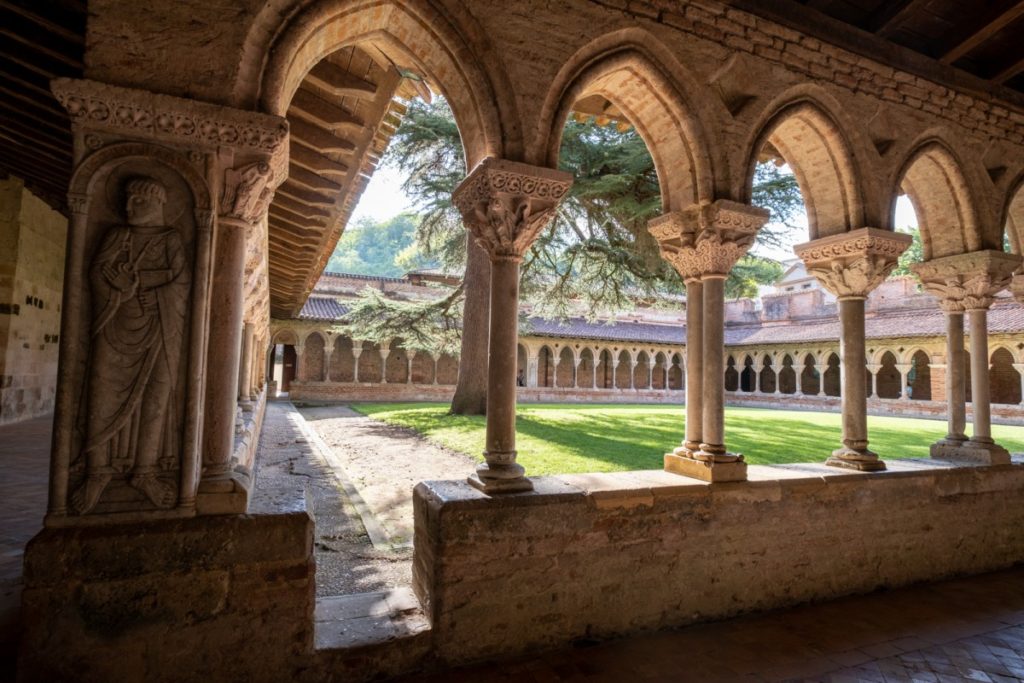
x=218, y=150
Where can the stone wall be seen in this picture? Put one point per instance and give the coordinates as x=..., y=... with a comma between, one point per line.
x=32, y=237
x=649, y=550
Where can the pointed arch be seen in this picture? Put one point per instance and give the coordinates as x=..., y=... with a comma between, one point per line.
x=803, y=126
x=408, y=32
x=1013, y=219
x=631, y=69
x=934, y=180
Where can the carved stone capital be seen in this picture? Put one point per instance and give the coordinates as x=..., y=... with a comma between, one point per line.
x=247, y=191
x=852, y=264
x=707, y=239
x=505, y=204
x=968, y=281
x=101, y=106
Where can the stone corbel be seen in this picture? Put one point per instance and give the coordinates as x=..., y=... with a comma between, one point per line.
x=852, y=264
x=707, y=239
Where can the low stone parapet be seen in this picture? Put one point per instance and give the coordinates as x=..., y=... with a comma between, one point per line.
x=640, y=551
x=349, y=391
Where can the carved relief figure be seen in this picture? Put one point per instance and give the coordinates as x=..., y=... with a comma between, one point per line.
x=140, y=282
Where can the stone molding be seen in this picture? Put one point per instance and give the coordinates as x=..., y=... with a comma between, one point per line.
x=505, y=204
x=851, y=264
x=129, y=110
x=968, y=281
x=707, y=239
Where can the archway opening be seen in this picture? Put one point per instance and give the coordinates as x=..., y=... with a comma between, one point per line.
x=787, y=376
x=748, y=378
x=1004, y=380
x=585, y=369
x=565, y=373
x=810, y=378
x=732, y=377
x=888, y=383
x=676, y=376
x=832, y=376
x=919, y=377
x=545, y=367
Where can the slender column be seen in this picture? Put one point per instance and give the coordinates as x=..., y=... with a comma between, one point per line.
x=245, y=367
x=632, y=373
x=650, y=374
x=754, y=384
x=408, y=372
x=357, y=351
x=850, y=265
x=593, y=370
x=505, y=205
x=703, y=242
x=300, y=361
x=820, y=365
x=228, y=303
x=1019, y=367
x=904, y=371
x=799, y=376
x=435, y=359
x=968, y=282
x=712, y=447
x=615, y=373
x=980, y=396
x=873, y=369
x=385, y=352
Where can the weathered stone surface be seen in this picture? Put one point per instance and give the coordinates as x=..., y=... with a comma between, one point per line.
x=695, y=552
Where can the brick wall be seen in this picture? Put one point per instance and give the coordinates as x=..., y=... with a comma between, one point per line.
x=32, y=238
x=639, y=551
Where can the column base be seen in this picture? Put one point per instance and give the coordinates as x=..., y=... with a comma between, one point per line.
x=712, y=472
x=852, y=459
x=227, y=494
x=973, y=452
x=492, y=479
x=687, y=449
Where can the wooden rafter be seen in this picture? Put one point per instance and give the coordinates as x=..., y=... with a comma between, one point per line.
x=989, y=25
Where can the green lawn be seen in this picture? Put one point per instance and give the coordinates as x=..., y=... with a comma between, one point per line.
x=563, y=438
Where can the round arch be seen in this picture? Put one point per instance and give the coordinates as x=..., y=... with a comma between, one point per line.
x=809, y=136
x=409, y=32
x=631, y=69
x=933, y=179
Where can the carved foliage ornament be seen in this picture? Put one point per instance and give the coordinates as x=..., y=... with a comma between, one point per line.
x=708, y=239
x=968, y=281
x=93, y=103
x=852, y=264
x=506, y=204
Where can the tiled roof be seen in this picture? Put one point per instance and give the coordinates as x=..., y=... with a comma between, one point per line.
x=1002, y=318
x=322, y=308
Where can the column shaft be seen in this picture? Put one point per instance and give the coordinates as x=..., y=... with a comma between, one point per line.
x=227, y=304
x=712, y=446
x=694, y=365
x=245, y=365
x=852, y=372
x=980, y=399
x=956, y=396
x=501, y=472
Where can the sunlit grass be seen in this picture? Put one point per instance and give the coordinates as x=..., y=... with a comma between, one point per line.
x=564, y=438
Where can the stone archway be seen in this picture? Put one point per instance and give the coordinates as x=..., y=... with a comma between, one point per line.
x=585, y=370
x=832, y=376
x=641, y=373
x=888, y=383
x=676, y=377
x=605, y=372
x=748, y=378
x=522, y=365
x=371, y=363
x=343, y=361
x=312, y=365
x=545, y=367
x=624, y=371
x=810, y=378
x=1004, y=380
x=919, y=379
x=766, y=378
x=732, y=377
x=787, y=376
x=565, y=370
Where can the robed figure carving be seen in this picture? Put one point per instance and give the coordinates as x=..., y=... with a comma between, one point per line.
x=140, y=282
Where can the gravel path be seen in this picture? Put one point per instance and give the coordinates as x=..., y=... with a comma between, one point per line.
x=384, y=463
x=346, y=561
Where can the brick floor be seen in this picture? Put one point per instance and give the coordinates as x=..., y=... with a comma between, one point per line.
x=25, y=458
x=961, y=630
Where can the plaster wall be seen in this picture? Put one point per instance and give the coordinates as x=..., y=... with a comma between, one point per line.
x=32, y=239
x=649, y=550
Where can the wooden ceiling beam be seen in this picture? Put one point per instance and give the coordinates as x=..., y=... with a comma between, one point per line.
x=317, y=224
x=311, y=180
x=290, y=189
x=340, y=81
x=889, y=16
x=991, y=23
x=316, y=162
x=320, y=139
x=1011, y=70
x=319, y=111
x=299, y=208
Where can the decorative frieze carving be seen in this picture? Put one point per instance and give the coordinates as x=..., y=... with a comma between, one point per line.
x=968, y=281
x=130, y=110
x=852, y=264
x=707, y=239
x=505, y=204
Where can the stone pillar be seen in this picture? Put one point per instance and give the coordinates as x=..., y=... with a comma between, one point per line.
x=300, y=361
x=245, y=366
x=873, y=369
x=1019, y=367
x=593, y=369
x=161, y=208
x=357, y=350
x=650, y=374
x=967, y=282
x=632, y=373
x=385, y=352
x=408, y=372
x=904, y=370
x=755, y=383
x=328, y=352
x=505, y=205
x=703, y=243
x=850, y=265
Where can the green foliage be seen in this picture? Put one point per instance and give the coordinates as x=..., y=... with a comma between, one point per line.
x=913, y=254
x=564, y=438
x=419, y=325
x=750, y=272
x=371, y=248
